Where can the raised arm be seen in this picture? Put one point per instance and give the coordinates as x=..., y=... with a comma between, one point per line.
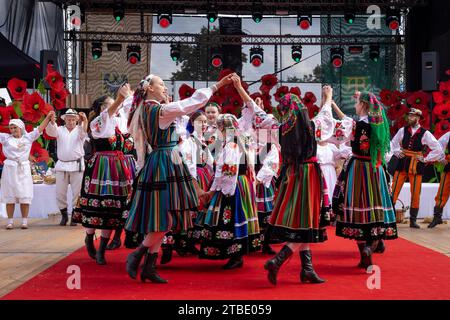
x=123, y=93
x=47, y=119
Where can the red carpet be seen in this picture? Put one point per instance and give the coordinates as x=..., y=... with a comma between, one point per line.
x=408, y=271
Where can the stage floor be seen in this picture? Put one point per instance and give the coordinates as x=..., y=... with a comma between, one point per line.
x=26, y=253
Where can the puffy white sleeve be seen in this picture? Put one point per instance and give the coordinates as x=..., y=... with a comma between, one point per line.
x=443, y=141
x=33, y=135
x=170, y=111
x=343, y=152
x=103, y=126
x=227, y=169
x=332, y=130
x=188, y=151
x=4, y=137
x=181, y=127
x=396, y=148
x=253, y=115
x=52, y=130
x=436, y=153
x=271, y=165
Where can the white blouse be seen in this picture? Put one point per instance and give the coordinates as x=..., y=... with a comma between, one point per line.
x=270, y=167
x=330, y=154
x=18, y=149
x=191, y=152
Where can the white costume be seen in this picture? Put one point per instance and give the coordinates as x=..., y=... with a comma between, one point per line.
x=17, y=183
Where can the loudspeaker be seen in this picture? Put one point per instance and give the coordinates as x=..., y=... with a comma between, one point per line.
x=430, y=71
x=48, y=57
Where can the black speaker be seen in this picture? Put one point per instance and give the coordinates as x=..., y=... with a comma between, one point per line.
x=48, y=57
x=430, y=71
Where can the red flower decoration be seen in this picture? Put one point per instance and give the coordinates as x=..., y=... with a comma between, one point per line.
x=185, y=91
x=397, y=111
x=17, y=88
x=442, y=111
x=2, y=156
x=256, y=95
x=217, y=99
x=59, y=98
x=296, y=91
x=46, y=136
x=425, y=122
x=227, y=109
x=442, y=127
x=418, y=99
x=268, y=82
x=281, y=92
x=29, y=127
x=38, y=153
x=54, y=79
x=309, y=99
x=313, y=110
x=387, y=97
x=6, y=114
x=443, y=95
x=34, y=107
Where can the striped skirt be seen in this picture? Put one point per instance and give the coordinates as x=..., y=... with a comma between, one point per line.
x=164, y=195
x=230, y=226
x=299, y=206
x=363, y=203
x=105, y=191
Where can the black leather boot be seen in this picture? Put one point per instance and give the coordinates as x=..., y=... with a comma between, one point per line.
x=308, y=273
x=366, y=255
x=273, y=265
x=266, y=248
x=361, y=246
x=115, y=242
x=100, y=257
x=149, y=270
x=413, y=218
x=89, y=244
x=234, y=263
x=130, y=240
x=64, y=217
x=167, y=250
x=380, y=248
x=437, y=219
x=134, y=259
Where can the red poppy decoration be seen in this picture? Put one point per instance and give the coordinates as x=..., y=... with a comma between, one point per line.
x=397, y=111
x=227, y=109
x=418, y=99
x=425, y=122
x=245, y=85
x=2, y=156
x=313, y=110
x=236, y=104
x=6, y=114
x=442, y=127
x=268, y=82
x=442, y=111
x=443, y=95
x=296, y=91
x=29, y=127
x=217, y=99
x=267, y=101
x=46, y=136
x=280, y=93
x=386, y=97
x=185, y=91
x=398, y=97
x=256, y=95
x=17, y=88
x=54, y=79
x=38, y=153
x=309, y=99
x=34, y=107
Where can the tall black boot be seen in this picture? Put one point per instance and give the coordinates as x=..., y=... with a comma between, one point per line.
x=64, y=217
x=149, y=270
x=234, y=262
x=115, y=242
x=100, y=257
x=413, y=218
x=437, y=219
x=308, y=273
x=366, y=255
x=89, y=244
x=134, y=259
x=380, y=248
x=273, y=265
x=361, y=246
x=266, y=248
x=130, y=240
x=167, y=250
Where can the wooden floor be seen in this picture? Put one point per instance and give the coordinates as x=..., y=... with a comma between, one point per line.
x=26, y=253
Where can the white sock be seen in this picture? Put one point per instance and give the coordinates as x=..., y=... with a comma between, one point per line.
x=10, y=221
x=24, y=221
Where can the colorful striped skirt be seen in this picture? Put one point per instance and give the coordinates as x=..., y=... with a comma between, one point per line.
x=105, y=191
x=299, y=206
x=230, y=226
x=131, y=163
x=164, y=195
x=363, y=203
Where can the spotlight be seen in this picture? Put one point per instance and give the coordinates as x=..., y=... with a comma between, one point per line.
x=257, y=16
x=297, y=52
x=212, y=15
x=96, y=50
x=118, y=10
x=175, y=51
x=256, y=56
x=393, y=19
x=374, y=53
x=337, y=57
x=216, y=59
x=349, y=17
x=304, y=21
x=133, y=54
x=164, y=19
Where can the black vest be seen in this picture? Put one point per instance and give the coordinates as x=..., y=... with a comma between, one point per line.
x=361, y=142
x=412, y=143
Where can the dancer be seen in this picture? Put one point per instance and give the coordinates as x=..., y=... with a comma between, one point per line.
x=212, y=111
x=409, y=145
x=361, y=200
x=444, y=186
x=69, y=168
x=165, y=194
x=16, y=182
x=107, y=180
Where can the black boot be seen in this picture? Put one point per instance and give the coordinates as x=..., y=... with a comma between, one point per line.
x=266, y=248
x=130, y=240
x=115, y=242
x=167, y=250
x=100, y=257
x=361, y=246
x=64, y=217
x=149, y=270
x=89, y=244
x=308, y=273
x=413, y=218
x=437, y=219
x=274, y=264
x=234, y=263
x=380, y=248
x=134, y=259
x=366, y=255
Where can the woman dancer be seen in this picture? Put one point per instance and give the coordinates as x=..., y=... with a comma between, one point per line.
x=165, y=194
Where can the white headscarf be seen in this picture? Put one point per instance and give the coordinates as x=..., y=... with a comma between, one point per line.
x=19, y=123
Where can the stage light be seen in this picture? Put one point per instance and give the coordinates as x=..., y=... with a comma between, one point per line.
x=118, y=10
x=175, y=51
x=257, y=16
x=355, y=49
x=337, y=57
x=374, y=53
x=304, y=21
x=256, y=56
x=133, y=54
x=216, y=59
x=349, y=17
x=96, y=50
x=297, y=52
x=164, y=19
x=212, y=14
x=393, y=19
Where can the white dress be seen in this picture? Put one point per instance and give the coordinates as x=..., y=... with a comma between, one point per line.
x=16, y=183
